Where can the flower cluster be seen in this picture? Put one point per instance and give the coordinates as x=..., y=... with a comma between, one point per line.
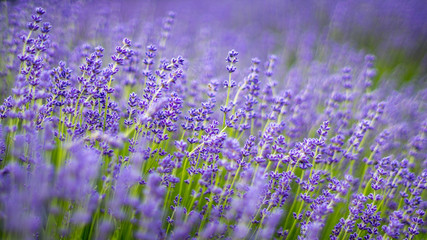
x=131, y=140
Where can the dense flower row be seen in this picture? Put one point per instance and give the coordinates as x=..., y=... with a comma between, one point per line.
x=140, y=142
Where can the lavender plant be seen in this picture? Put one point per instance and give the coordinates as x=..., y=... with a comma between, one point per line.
x=118, y=123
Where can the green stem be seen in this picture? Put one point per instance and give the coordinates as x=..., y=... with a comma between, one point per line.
x=227, y=99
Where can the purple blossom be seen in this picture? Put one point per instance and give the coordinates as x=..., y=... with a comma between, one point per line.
x=163, y=140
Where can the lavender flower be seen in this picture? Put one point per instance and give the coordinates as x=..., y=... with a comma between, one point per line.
x=163, y=140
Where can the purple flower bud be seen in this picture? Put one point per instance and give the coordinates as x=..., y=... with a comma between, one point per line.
x=32, y=26
x=40, y=11
x=127, y=42
x=46, y=28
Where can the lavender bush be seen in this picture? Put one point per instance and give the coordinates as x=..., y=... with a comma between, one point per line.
x=125, y=120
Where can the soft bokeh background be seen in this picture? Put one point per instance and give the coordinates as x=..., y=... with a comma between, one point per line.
x=304, y=31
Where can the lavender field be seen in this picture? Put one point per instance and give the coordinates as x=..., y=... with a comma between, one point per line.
x=222, y=119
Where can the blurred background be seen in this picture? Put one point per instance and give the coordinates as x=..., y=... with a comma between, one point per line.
x=296, y=31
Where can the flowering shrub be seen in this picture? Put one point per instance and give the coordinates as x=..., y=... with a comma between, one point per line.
x=172, y=135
